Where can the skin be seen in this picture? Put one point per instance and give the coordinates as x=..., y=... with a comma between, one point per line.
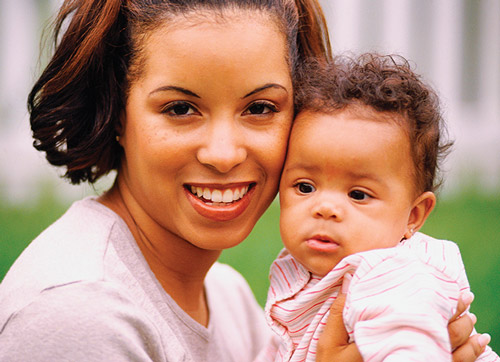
x=211, y=109
x=195, y=116
x=347, y=187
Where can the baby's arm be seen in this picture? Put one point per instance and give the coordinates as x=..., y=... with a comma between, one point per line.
x=398, y=310
x=333, y=344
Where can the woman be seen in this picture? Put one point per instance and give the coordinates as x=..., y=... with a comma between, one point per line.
x=191, y=102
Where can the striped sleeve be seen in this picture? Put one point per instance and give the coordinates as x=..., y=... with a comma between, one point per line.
x=398, y=310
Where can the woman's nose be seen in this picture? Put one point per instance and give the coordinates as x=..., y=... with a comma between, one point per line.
x=223, y=146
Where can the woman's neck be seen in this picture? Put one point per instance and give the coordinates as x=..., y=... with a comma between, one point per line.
x=179, y=266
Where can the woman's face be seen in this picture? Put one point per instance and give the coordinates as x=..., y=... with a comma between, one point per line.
x=206, y=126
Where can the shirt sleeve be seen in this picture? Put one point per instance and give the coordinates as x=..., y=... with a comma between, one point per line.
x=398, y=310
x=80, y=322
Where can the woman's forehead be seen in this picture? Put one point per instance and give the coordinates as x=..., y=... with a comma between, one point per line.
x=184, y=35
x=210, y=59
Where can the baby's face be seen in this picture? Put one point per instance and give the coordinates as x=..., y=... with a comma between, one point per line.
x=346, y=187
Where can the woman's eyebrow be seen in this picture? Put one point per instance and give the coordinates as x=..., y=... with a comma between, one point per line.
x=264, y=87
x=174, y=88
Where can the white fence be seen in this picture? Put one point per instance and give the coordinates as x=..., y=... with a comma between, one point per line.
x=455, y=44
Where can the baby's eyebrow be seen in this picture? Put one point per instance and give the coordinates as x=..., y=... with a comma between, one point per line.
x=353, y=174
x=361, y=175
x=302, y=167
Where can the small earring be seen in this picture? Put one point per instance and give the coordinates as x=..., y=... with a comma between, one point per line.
x=408, y=234
x=117, y=138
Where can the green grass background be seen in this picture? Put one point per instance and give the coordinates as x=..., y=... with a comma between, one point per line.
x=470, y=219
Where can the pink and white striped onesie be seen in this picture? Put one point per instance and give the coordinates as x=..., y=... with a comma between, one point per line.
x=398, y=303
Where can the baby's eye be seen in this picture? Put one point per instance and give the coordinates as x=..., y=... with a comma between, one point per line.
x=261, y=108
x=179, y=108
x=358, y=195
x=305, y=188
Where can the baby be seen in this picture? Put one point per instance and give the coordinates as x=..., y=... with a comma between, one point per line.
x=357, y=185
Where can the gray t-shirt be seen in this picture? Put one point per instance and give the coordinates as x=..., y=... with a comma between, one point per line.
x=82, y=291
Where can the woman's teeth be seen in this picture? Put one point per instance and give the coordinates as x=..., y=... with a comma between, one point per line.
x=214, y=195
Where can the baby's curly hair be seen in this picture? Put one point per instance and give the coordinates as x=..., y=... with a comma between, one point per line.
x=386, y=84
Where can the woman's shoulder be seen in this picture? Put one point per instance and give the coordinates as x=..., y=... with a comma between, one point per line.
x=84, y=219
x=235, y=310
x=71, y=250
x=80, y=321
x=226, y=280
x=230, y=294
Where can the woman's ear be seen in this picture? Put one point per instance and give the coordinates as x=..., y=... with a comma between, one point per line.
x=422, y=207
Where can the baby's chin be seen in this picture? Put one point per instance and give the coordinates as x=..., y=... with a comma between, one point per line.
x=320, y=271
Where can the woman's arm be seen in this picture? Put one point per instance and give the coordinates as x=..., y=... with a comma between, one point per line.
x=333, y=343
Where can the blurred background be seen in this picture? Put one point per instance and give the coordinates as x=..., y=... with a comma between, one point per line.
x=454, y=44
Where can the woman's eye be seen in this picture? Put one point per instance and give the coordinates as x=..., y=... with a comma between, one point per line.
x=261, y=108
x=305, y=188
x=358, y=195
x=179, y=109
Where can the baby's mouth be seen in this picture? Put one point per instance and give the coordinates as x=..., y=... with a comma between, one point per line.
x=323, y=243
x=323, y=239
x=215, y=196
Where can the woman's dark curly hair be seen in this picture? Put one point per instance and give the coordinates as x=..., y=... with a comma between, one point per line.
x=76, y=104
x=384, y=84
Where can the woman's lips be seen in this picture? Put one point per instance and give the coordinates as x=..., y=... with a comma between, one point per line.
x=322, y=244
x=220, y=204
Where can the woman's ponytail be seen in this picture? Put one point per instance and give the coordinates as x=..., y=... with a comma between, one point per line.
x=313, y=39
x=78, y=98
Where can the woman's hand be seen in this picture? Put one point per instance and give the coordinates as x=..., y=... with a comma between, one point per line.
x=333, y=343
x=466, y=349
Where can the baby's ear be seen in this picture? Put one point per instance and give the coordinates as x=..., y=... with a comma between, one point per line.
x=422, y=207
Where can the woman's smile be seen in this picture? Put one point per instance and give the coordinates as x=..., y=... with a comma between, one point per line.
x=219, y=196
x=220, y=204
